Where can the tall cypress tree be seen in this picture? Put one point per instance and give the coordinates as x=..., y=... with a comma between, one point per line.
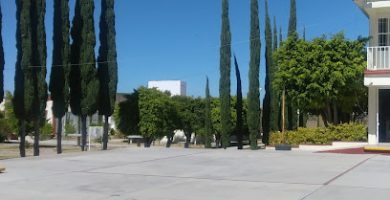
x=275, y=37
x=239, y=107
x=292, y=31
x=108, y=68
x=24, y=91
x=84, y=84
x=208, y=121
x=267, y=121
x=280, y=93
x=59, y=78
x=224, y=82
x=280, y=36
x=2, y=62
x=292, y=24
x=276, y=105
x=38, y=11
x=254, y=84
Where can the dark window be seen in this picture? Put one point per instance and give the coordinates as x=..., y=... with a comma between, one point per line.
x=383, y=32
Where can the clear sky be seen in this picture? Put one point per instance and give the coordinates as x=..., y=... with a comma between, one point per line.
x=179, y=39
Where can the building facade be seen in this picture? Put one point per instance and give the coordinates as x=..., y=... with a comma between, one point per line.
x=377, y=74
x=175, y=87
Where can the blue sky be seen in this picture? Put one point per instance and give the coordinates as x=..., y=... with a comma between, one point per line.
x=179, y=39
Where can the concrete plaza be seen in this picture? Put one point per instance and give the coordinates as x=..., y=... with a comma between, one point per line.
x=196, y=174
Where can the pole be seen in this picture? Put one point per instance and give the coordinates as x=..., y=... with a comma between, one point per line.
x=283, y=114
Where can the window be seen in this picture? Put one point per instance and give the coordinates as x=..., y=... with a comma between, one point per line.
x=383, y=32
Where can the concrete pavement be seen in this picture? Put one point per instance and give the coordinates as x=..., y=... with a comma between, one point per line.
x=194, y=174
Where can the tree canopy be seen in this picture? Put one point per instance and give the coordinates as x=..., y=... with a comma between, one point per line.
x=322, y=76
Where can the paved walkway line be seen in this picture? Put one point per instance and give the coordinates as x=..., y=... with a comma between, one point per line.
x=338, y=176
x=145, y=161
x=203, y=178
x=346, y=171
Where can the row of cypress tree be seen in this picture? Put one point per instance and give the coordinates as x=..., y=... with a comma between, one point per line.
x=271, y=117
x=74, y=79
x=272, y=101
x=254, y=84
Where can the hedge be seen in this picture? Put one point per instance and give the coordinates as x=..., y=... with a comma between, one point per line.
x=322, y=136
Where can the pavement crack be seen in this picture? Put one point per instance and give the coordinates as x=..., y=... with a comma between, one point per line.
x=346, y=171
x=337, y=177
x=205, y=178
x=145, y=161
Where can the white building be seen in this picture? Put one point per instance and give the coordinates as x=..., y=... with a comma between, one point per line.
x=377, y=75
x=2, y=105
x=175, y=87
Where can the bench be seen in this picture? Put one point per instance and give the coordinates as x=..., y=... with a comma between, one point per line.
x=132, y=138
x=2, y=168
x=78, y=136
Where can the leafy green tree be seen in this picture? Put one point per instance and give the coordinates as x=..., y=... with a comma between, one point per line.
x=254, y=84
x=24, y=86
x=224, y=82
x=2, y=62
x=239, y=107
x=126, y=115
x=9, y=114
x=208, y=121
x=151, y=110
x=84, y=84
x=39, y=54
x=185, y=109
x=108, y=69
x=59, y=78
x=323, y=76
x=171, y=120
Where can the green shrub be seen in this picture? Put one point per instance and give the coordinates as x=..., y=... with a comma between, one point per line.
x=69, y=129
x=46, y=132
x=5, y=129
x=322, y=136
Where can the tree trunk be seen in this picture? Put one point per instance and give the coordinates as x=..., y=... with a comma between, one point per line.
x=188, y=140
x=328, y=114
x=169, y=141
x=324, y=118
x=36, y=137
x=83, y=132
x=147, y=142
x=335, y=114
x=301, y=119
x=239, y=140
x=59, y=135
x=22, y=134
x=105, y=132
x=217, y=140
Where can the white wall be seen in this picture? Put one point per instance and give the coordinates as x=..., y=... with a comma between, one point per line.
x=175, y=87
x=2, y=108
x=373, y=116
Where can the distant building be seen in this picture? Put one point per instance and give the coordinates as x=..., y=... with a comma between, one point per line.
x=175, y=87
x=2, y=108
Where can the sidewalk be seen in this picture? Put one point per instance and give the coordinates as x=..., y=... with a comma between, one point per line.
x=193, y=174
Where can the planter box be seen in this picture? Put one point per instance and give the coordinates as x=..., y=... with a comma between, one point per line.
x=283, y=147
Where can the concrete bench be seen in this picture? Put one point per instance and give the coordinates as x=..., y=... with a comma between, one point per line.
x=137, y=138
x=78, y=136
x=2, y=168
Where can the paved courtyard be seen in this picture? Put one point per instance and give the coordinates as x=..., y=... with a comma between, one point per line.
x=195, y=174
